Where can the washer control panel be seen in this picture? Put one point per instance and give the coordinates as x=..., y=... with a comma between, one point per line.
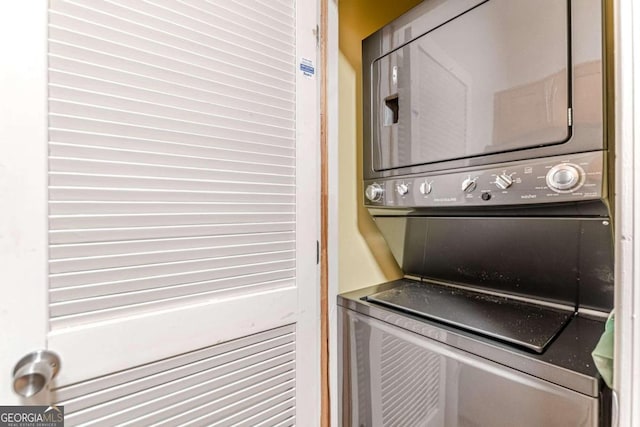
x=548, y=180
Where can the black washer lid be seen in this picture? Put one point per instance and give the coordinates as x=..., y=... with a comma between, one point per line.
x=525, y=324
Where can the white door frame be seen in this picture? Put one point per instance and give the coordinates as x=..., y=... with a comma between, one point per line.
x=627, y=223
x=308, y=206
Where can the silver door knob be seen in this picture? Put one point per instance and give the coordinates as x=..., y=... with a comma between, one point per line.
x=34, y=372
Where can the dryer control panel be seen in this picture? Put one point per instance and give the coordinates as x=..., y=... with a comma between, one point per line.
x=548, y=180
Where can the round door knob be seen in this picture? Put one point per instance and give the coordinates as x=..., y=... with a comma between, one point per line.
x=469, y=184
x=34, y=372
x=564, y=178
x=374, y=192
x=425, y=188
x=504, y=181
x=402, y=189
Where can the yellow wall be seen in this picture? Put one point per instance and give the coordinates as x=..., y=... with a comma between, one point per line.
x=364, y=256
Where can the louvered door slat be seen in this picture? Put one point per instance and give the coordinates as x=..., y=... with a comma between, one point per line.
x=188, y=149
x=91, y=90
x=61, y=208
x=271, y=415
x=187, y=393
x=119, y=57
x=195, y=284
x=281, y=19
x=122, y=274
x=258, y=13
x=75, y=222
x=117, y=109
x=240, y=417
x=190, y=15
x=278, y=164
x=60, y=194
x=274, y=390
x=285, y=416
x=286, y=423
x=244, y=373
x=245, y=24
x=60, y=179
x=127, y=248
x=90, y=392
x=217, y=34
x=81, y=75
x=187, y=380
x=92, y=118
x=166, y=106
x=75, y=29
x=141, y=169
x=123, y=234
x=133, y=259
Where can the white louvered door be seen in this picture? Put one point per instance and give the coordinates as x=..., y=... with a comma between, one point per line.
x=159, y=168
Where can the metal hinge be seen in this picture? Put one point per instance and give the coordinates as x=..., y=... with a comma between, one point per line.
x=317, y=252
x=570, y=116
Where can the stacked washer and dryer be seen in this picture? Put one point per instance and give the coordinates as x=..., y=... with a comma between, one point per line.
x=485, y=168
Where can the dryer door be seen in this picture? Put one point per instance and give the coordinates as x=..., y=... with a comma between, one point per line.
x=492, y=80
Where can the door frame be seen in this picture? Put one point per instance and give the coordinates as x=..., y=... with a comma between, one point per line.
x=308, y=205
x=626, y=411
x=330, y=289
x=627, y=209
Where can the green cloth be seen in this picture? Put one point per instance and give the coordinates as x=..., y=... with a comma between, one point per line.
x=603, y=353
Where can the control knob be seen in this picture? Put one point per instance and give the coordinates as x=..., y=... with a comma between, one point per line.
x=504, y=181
x=565, y=178
x=425, y=188
x=374, y=192
x=402, y=189
x=469, y=184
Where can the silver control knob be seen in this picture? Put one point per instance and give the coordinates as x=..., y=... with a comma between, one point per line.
x=402, y=189
x=469, y=184
x=425, y=188
x=374, y=192
x=565, y=178
x=504, y=181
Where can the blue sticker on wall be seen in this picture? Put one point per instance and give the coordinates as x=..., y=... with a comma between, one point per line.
x=306, y=66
